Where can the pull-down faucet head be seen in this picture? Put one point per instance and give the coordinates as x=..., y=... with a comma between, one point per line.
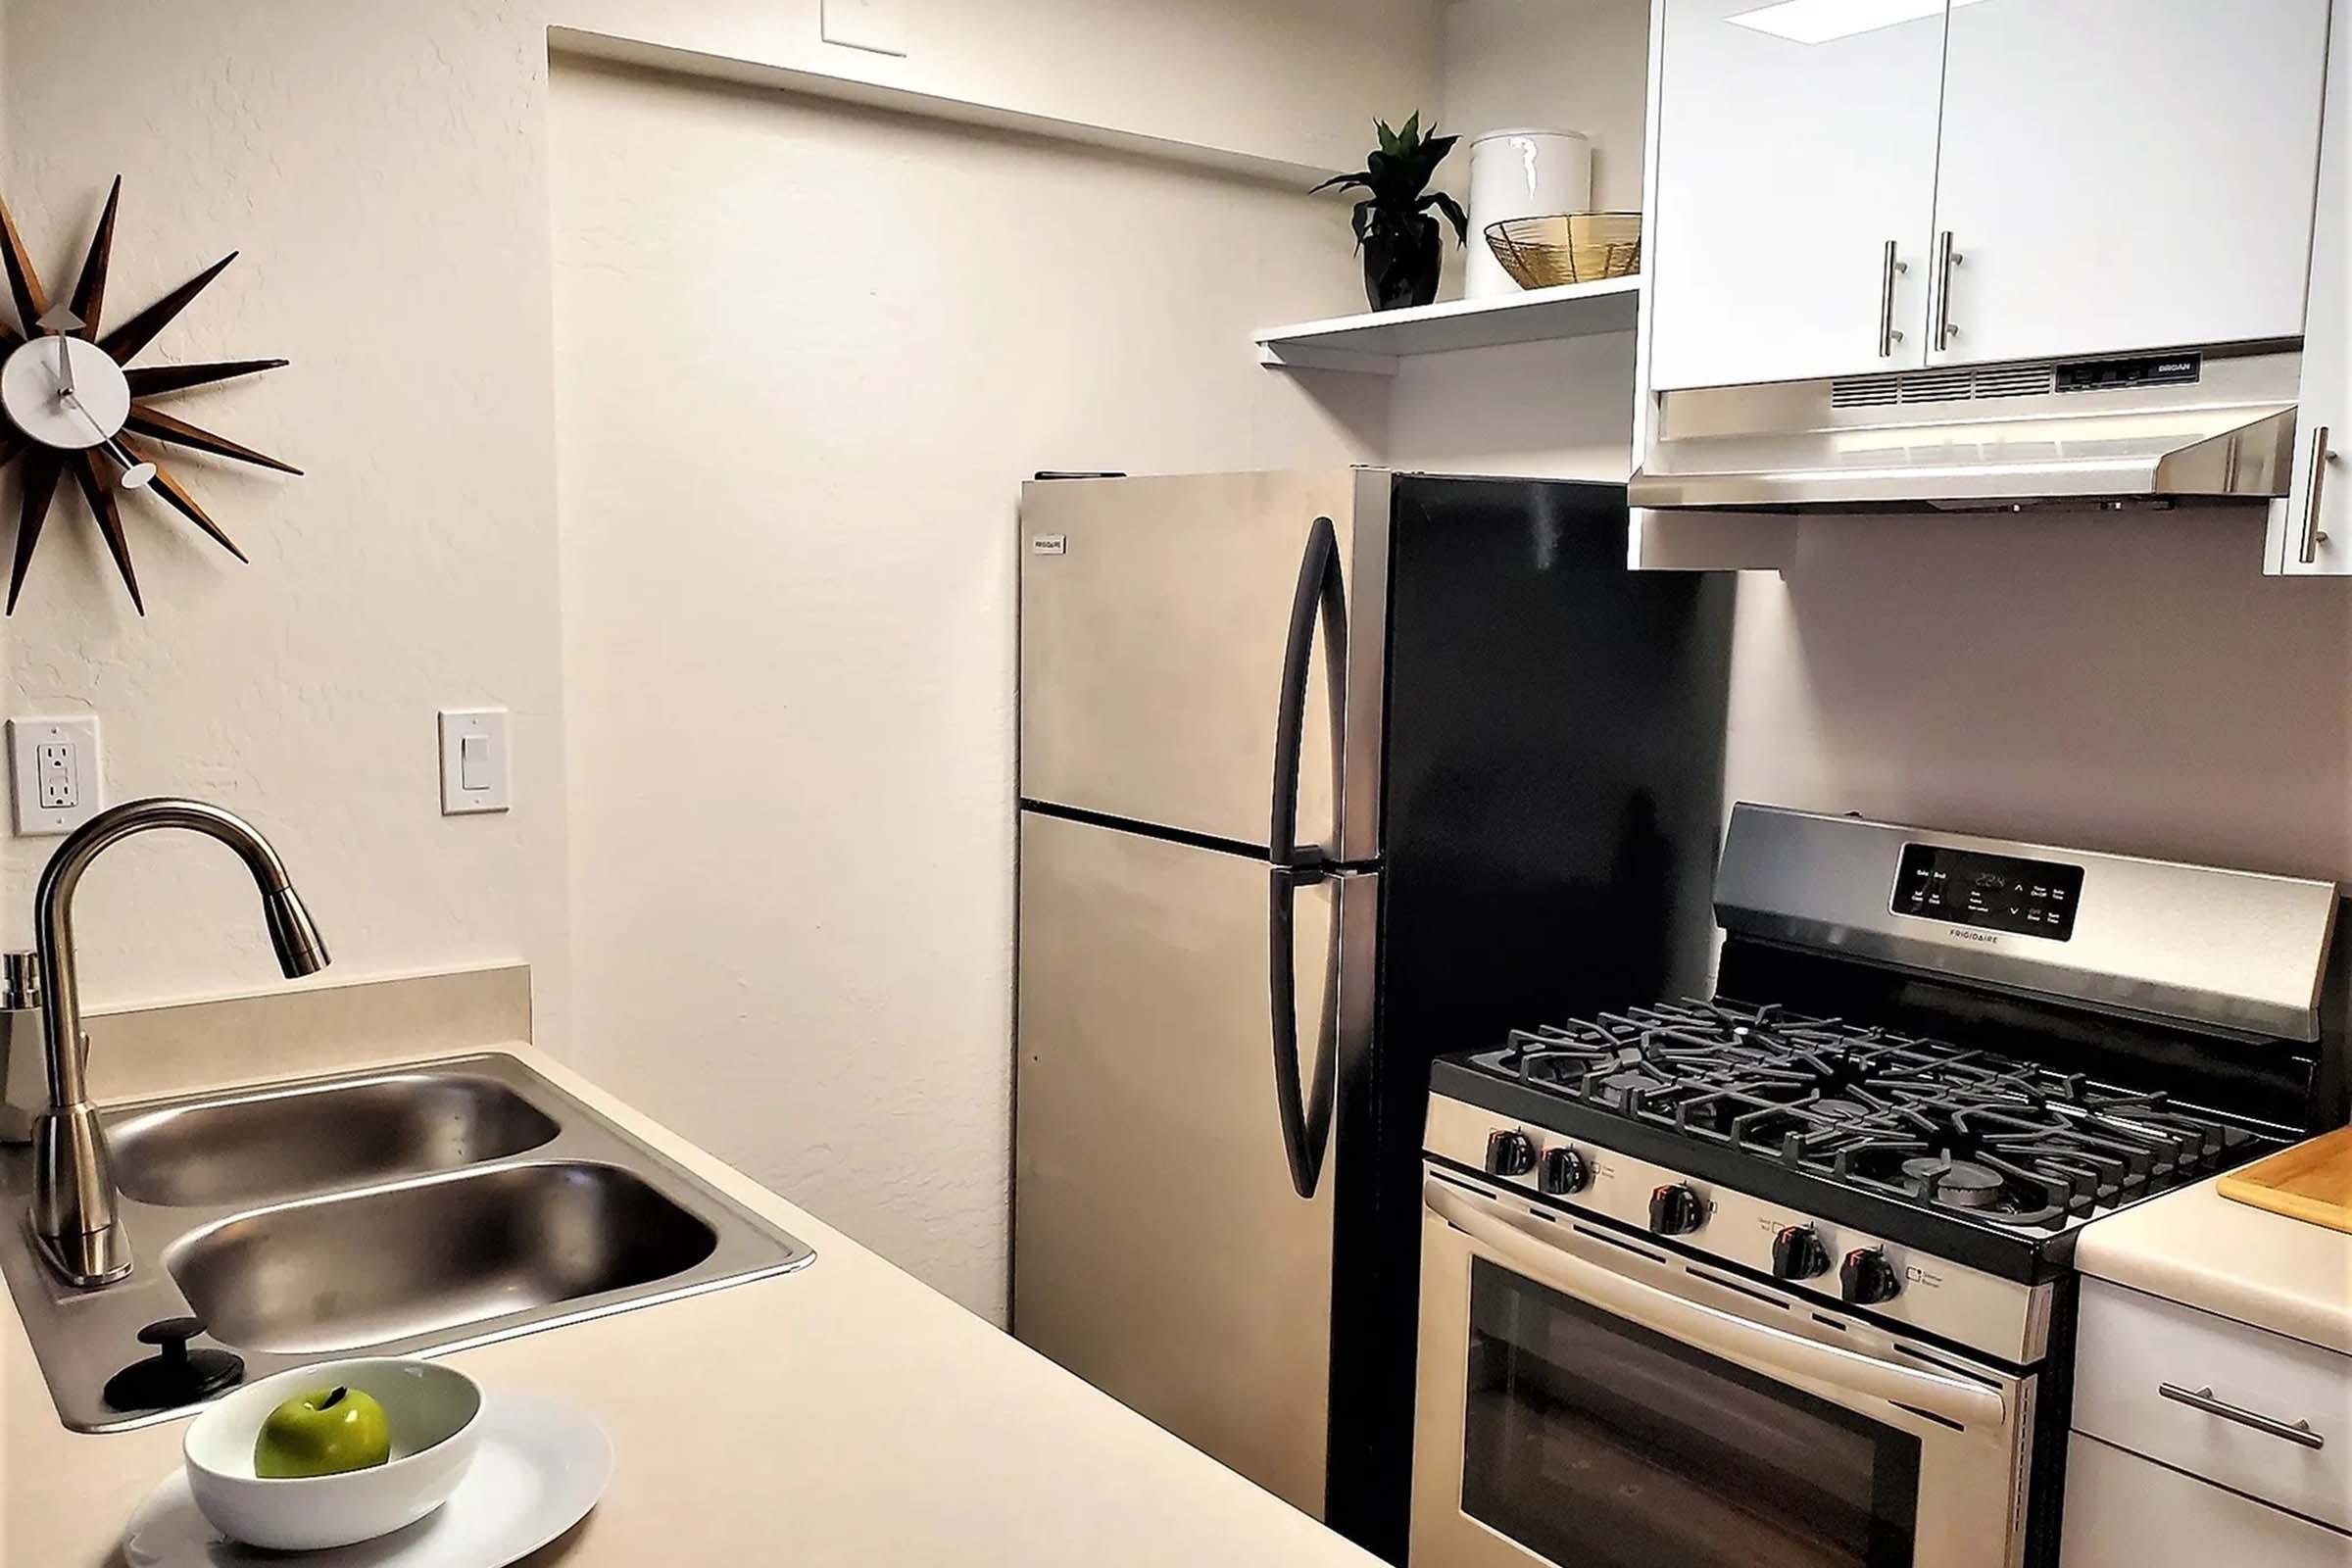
x=301, y=949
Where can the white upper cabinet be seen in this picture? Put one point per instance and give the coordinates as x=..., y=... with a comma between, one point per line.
x=1782, y=172
x=2092, y=176
x=2312, y=533
x=2124, y=174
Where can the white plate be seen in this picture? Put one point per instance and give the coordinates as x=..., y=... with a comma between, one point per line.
x=542, y=1466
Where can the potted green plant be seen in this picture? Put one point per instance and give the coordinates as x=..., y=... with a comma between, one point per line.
x=1399, y=241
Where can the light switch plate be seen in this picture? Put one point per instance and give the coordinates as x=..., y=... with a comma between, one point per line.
x=879, y=26
x=53, y=774
x=474, y=771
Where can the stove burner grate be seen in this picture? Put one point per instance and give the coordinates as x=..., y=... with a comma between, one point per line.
x=1953, y=1127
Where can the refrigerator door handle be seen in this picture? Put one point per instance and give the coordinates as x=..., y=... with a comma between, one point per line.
x=1317, y=600
x=1305, y=1115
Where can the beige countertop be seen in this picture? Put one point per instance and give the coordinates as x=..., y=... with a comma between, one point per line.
x=843, y=1414
x=2205, y=1250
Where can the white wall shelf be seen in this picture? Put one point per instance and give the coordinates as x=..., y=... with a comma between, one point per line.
x=1375, y=344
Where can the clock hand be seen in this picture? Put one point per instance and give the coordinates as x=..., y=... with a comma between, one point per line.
x=59, y=321
x=64, y=395
x=136, y=474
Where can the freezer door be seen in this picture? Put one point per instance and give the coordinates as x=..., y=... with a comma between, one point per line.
x=1160, y=1249
x=1157, y=614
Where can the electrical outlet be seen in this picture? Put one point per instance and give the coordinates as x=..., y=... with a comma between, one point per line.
x=54, y=769
x=53, y=765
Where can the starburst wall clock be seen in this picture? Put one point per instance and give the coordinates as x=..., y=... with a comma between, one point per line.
x=74, y=403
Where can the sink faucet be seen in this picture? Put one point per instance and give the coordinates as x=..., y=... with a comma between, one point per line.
x=75, y=1216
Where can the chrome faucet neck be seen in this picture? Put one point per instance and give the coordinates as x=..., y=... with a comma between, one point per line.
x=75, y=1209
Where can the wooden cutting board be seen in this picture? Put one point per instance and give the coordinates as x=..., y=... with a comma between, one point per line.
x=2310, y=1182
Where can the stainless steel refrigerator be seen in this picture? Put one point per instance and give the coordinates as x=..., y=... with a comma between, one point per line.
x=1321, y=774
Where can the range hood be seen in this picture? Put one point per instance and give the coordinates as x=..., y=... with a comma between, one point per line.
x=2152, y=429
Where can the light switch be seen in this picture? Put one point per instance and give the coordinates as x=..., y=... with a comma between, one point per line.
x=474, y=763
x=53, y=765
x=878, y=26
x=474, y=771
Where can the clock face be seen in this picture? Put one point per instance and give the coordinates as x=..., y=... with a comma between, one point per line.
x=34, y=385
x=79, y=413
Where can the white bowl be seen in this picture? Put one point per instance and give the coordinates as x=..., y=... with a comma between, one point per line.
x=436, y=1417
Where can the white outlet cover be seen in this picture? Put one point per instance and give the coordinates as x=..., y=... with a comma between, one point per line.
x=493, y=788
x=877, y=26
x=26, y=738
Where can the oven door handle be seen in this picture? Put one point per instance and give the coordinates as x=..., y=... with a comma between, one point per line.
x=1759, y=1346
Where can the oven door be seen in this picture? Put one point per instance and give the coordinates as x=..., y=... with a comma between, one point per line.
x=1590, y=1401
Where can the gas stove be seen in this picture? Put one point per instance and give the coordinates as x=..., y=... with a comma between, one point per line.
x=1793, y=1262
x=1932, y=1060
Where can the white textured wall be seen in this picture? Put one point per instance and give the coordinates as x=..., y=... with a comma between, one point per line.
x=1560, y=411
x=2124, y=682
x=805, y=354
x=1570, y=65
x=382, y=169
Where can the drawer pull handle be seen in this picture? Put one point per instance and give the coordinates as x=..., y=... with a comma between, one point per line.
x=2202, y=1400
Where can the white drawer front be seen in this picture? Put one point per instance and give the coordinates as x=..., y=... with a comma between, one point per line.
x=2133, y=1344
x=2123, y=1512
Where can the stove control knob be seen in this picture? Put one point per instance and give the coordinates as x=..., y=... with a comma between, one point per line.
x=1867, y=1278
x=1509, y=1152
x=1797, y=1253
x=1565, y=1171
x=1674, y=1211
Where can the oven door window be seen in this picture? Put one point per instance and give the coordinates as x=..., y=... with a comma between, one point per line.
x=1599, y=1443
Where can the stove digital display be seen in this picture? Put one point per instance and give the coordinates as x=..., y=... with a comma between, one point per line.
x=1992, y=892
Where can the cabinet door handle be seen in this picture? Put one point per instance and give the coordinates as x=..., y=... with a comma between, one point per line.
x=1888, y=333
x=2299, y=1434
x=1947, y=259
x=2314, y=535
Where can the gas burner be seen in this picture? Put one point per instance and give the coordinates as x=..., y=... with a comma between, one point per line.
x=1961, y=1182
x=1626, y=1087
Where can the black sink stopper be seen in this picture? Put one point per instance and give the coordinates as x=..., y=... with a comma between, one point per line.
x=175, y=1375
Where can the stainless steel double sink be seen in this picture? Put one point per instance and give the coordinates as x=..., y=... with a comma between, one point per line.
x=421, y=1209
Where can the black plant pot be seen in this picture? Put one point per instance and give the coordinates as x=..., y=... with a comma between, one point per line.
x=1400, y=265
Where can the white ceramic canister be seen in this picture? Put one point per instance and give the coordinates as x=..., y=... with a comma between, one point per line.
x=1521, y=173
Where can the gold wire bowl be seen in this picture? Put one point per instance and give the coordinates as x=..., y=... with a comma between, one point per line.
x=1567, y=247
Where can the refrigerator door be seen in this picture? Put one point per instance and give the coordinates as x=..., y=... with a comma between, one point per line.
x=1157, y=617
x=1160, y=1249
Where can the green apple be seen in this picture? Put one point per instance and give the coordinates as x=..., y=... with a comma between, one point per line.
x=322, y=1433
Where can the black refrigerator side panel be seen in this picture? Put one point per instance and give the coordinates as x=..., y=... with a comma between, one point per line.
x=1553, y=802
x=1554, y=765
